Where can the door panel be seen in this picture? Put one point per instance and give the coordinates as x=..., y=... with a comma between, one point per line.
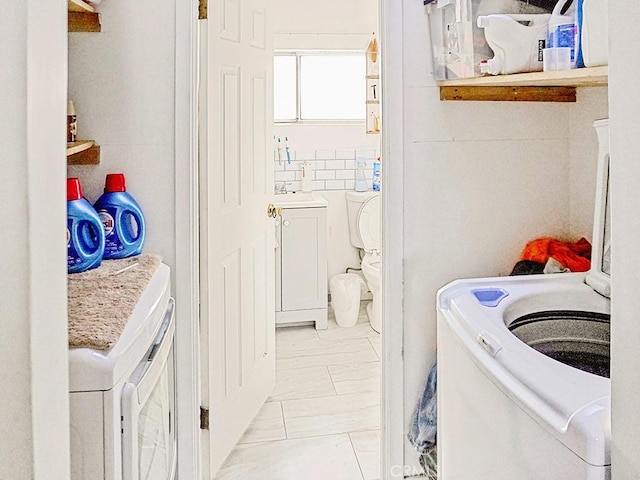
x=237, y=237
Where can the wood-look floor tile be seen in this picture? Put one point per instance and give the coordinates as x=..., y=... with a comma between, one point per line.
x=306, y=382
x=267, y=426
x=319, y=458
x=367, y=448
x=358, y=378
x=330, y=415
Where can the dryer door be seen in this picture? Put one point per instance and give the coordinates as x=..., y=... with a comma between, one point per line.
x=148, y=411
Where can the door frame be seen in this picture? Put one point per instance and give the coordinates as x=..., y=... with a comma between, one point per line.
x=186, y=274
x=392, y=432
x=186, y=271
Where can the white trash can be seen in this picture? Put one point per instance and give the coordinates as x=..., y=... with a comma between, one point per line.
x=346, y=289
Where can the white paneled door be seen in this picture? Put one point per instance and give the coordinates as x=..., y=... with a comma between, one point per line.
x=236, y=236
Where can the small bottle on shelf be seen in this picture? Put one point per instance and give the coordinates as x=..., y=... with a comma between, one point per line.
x=72, y=126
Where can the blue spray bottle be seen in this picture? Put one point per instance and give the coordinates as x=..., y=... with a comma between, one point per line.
x=122, y=219
x=85, y=235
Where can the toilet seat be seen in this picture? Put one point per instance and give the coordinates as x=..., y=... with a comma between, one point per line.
x=369, y=224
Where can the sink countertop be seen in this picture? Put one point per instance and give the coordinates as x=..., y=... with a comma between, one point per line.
x=300, y=200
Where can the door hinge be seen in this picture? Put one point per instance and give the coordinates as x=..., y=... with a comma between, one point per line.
x=204, y=418
x=202, y=10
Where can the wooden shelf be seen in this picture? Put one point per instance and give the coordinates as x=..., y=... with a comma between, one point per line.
x=83, y=152
x=82, y=17
x=558, y=86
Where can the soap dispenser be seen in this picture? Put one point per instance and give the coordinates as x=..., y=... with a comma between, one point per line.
x=361, y=180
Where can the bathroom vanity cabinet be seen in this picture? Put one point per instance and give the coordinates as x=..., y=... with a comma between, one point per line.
x=301, y=260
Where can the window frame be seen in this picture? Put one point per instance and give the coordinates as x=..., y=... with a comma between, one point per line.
x=328, y=121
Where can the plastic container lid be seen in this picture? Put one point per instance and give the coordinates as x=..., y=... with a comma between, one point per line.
x=74, y=189
x=115, y=183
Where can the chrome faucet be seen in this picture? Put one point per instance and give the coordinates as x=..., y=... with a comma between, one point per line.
x=281, y=188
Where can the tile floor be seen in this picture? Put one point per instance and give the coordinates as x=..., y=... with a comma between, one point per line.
x=322, y=420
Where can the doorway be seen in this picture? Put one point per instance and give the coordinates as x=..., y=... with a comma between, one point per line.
x=379, y=354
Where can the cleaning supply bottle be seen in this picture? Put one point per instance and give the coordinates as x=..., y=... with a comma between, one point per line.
x=85, y=234
x=376, y=175
x=517, y=42
x=563, y=29
x=122, y=219
x=361, y=181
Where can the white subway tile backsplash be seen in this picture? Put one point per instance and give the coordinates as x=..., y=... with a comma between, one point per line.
x=368, y=153
x=334, y=185
x=305, y=155
x=330, y=169
x=325, y=175
x=325, y=154
x=284, y=176
x=291, y=167
x=334, y=165
x=349, y=154
x=318, y=185
x=345, y=174
x=319, y=165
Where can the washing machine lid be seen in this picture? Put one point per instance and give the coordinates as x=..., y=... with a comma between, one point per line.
x=93, y=370
x=599, y=277
x=369, y=223
x=573, y=406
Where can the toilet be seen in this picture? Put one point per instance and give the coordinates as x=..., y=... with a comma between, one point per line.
x=364, y=213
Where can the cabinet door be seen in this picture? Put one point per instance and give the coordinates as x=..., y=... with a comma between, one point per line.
x=304, y=258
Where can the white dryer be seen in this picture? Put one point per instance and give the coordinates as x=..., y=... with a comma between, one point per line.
x=122, y=401
x=523, y=369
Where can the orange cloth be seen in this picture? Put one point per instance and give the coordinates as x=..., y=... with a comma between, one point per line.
x=574, y=256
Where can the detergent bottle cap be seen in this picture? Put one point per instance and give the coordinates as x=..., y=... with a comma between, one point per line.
x=114, y=183
x=74, y=189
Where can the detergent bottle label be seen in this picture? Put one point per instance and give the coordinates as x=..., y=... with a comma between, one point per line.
x=564, y=36
x=112, y=244
x=73, y=257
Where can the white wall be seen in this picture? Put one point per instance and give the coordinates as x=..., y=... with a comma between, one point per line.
x=328, y=16
x=481, y=179
x=122, y=84
x=624, y=37
x=33, y=310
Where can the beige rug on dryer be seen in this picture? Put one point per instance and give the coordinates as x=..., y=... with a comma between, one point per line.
x=102, y=300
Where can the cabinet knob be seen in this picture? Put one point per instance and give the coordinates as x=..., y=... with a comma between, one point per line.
x=286, y=223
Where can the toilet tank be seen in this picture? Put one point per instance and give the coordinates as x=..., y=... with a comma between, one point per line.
x=354, y=203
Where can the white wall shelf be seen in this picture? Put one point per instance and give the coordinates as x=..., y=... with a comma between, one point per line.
x=557, y=86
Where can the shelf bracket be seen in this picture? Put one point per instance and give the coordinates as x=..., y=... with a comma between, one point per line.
x=508, y=94
x=83, y=22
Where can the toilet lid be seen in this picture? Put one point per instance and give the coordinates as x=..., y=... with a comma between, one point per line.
x=369, y=223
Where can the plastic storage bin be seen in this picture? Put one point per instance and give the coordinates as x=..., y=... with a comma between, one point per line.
x=458, y=44
x=346, y=289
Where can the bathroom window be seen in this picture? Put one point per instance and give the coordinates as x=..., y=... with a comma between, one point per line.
x=319, y=86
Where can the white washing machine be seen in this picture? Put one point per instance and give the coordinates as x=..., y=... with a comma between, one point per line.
x=523, y=369
x=122, y=401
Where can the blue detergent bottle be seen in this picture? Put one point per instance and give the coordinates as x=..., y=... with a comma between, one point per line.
x=85, y=234
x=122, y=219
